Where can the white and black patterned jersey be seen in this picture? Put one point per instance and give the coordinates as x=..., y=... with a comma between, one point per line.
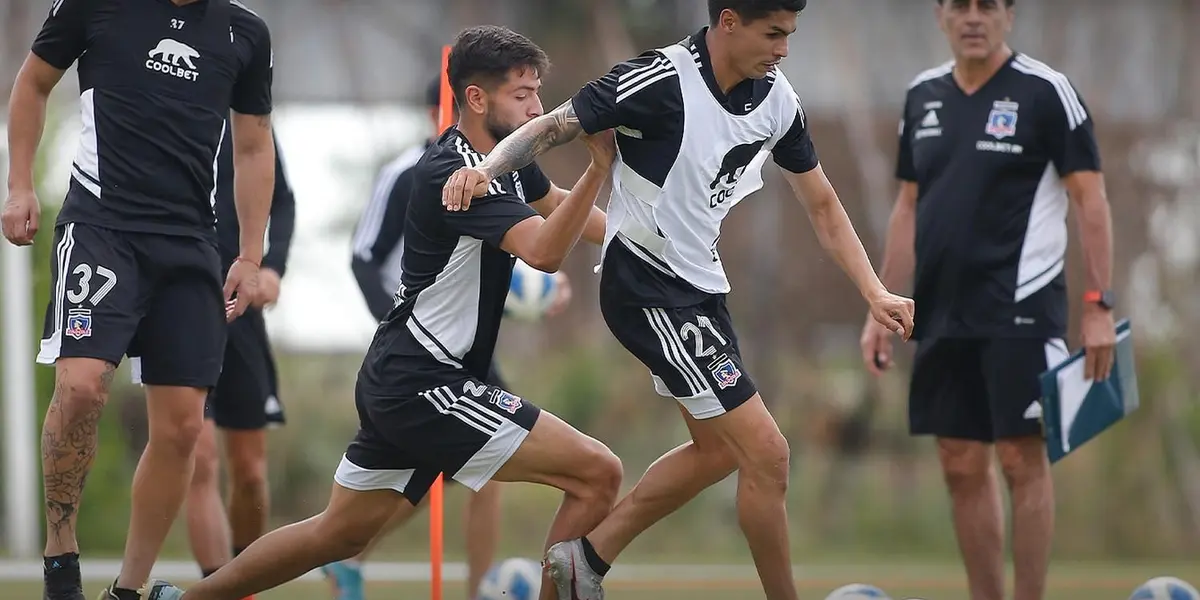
x=991, y=232
x=157, y=82
x=687, y=154
x=455, y=277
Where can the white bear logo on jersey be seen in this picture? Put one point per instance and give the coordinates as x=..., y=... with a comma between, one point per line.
x=169, y=53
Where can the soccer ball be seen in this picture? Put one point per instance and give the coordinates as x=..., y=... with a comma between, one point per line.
x=1165, y=588
x=513, y=579
x=857, y=591
x=530, y=293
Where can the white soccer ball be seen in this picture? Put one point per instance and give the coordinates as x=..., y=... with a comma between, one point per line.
x=857, y=591
x=530, y=293
x=512, y=579
x=1165, y=588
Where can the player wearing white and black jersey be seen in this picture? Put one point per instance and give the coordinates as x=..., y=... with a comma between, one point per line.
x=993, y=147
x=694, y=121
x=136, y=267
x=423, y=405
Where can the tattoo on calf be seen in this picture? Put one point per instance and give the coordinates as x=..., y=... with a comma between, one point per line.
x=68, y=449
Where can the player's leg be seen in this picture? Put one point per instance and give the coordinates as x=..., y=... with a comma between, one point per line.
x=246, y=405
x=1012, y=367
x=207, y=525
x=948, y=399
x=187, y=304
x=482, y=516
x=94, y=280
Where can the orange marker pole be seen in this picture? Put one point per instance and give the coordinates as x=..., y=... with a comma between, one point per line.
x=436, y=507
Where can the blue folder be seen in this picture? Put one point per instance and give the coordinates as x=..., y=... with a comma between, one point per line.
x=1075, y=410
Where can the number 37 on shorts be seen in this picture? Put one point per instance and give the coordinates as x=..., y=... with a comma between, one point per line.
x=692, y=353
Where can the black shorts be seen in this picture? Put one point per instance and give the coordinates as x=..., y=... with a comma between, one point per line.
x=980, y=389
x=465, y=429
x=692, y=352
x=120, y=293
x=247, y=393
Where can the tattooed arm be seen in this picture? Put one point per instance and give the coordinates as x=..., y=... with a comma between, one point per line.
x=513, y=152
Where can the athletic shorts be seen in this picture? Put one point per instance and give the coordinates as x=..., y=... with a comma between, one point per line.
x=247, y=393
x=464, y=428
x=980, y=389
x=121, y=293
x=692, y=352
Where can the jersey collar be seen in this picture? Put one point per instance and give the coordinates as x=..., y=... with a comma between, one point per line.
x=738, y=97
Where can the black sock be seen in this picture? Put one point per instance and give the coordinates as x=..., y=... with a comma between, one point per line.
x=594, y=561
x=124, y=594
x=61, y=573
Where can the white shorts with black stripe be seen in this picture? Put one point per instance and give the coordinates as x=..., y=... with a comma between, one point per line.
x=465, y=429
x=691, y=351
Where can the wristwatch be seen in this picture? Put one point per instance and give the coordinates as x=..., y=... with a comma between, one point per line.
x=1104, y=298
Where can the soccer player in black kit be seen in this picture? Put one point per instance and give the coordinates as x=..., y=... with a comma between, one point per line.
x=422, y=402
x=136, y=270
x=994, y=146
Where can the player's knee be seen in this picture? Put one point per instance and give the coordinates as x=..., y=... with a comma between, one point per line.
x=80, y=389
x=718, y=458
x=177, y=432
x=1022, y=459
x=248, y=473
x=347, y=534
x=965, y=464
x=767, y=462
x=208, y=466
x=602, y=473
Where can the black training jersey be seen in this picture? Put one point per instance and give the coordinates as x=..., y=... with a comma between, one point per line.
x=280, y=227
x=157, y=82
x=377, y=247
x=688, y=153
x=455, y=276
x=991, y=235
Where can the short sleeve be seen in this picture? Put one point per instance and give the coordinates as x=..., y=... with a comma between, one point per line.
x=252, y=90
x=489, y=218
x=63, y=37
x=636, y=94
x=534, y=183
x=795, y=151
x=906, y=170
x=1067, y=130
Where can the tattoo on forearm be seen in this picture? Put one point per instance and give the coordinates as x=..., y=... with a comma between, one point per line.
x=533, y=139
x=68, y=449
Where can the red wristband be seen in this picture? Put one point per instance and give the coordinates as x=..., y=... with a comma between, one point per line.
x=244, y=259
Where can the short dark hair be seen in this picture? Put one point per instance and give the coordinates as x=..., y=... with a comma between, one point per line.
x=484, y=56
x=752, y=10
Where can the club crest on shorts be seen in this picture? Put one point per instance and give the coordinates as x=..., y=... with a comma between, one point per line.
x=1002, y=121
x=724, y=371
x=506, y=401
x=79, y=323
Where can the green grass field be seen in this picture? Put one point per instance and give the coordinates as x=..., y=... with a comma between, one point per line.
x=928, y=582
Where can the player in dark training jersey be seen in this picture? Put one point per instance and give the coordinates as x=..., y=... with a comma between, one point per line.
x=136, y=269
x=245, y=401
x=422, y=402
x=994, y=145
x=694, y=123
x=378, y=253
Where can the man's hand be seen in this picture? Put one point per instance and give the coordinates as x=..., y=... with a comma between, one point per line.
x=268, y=288
x=1099, y=336
x=602, y=147
x=241, y=288
x=562, y=295
x=20, y=217
x=876, y=344
x=464, y=184
x=894, y=313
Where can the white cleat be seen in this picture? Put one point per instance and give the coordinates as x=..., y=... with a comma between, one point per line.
x=571, y=574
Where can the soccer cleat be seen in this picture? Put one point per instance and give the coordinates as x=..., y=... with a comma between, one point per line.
x=347, y=580
x=571, y=574
x=155, y=590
